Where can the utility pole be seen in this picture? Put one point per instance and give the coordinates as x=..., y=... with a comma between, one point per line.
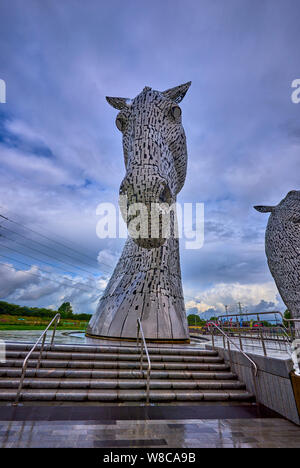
x=241, y=310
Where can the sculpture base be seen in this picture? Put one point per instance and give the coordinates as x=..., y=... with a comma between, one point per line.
x=148, y=340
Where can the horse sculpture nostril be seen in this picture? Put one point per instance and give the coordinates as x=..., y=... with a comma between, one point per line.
x=165, y=195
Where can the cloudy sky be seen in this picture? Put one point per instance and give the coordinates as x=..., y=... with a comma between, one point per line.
x=61, y=154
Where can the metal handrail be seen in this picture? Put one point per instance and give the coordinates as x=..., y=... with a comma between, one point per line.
x=254, y=366
x=144, y=345
x=249, y=314
x=234, y=344
x=285, y=330
x=55, y=319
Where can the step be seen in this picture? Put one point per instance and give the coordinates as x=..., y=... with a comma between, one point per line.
x=14, y=372
x=101, y=349
x=77, y=384
x=112, y=373
x=126, y=395
x=20, y=354
x=116, y=364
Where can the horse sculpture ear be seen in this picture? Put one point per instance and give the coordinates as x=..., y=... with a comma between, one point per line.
x=177, y=94
x=264, y=209
x=118, y=102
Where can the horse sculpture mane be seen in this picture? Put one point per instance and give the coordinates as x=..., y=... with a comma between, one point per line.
x=146, y=282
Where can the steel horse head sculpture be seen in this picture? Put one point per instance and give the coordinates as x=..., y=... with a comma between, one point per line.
x=282, y=249
x=146, y=282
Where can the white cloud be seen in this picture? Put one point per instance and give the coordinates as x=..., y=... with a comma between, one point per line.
x=108, y=258
x=31, y=287
x=230, y=294
x=12, y=281
x=40, y=170
x=24, y=131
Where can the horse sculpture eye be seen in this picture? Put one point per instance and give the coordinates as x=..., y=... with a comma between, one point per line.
x=120, y=123
x=176, y=112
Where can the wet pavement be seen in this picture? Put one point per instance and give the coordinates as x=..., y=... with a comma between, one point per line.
x=164, y=433
x=75, y=337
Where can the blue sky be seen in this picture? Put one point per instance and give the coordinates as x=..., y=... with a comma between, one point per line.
x=61, y=154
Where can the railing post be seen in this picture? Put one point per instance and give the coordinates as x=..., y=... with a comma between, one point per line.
x=142, y=356
x=144, y=345
x=263, y=342
x=148, y=386
x=240, y=340
x=54, y=330
x=137, y=333
x=261, y=336
x=20, y=384
x=41, y=351
x=229, y=354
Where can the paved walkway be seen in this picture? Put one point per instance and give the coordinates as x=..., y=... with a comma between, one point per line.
x=126, y=426
x=254, y=433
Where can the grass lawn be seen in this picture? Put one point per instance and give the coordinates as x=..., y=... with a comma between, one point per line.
x=15, y=322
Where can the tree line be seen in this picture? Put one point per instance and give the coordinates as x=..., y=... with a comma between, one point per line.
x=65, y=311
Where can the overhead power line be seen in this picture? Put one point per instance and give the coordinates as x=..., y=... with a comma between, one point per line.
x=46, y=237
x=37, y=242
x=34, y=258
x=39, y=260
x=45, y=254
x=55, y=241
x=49, y=279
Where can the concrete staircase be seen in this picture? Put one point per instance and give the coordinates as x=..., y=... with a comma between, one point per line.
x=112, y=373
